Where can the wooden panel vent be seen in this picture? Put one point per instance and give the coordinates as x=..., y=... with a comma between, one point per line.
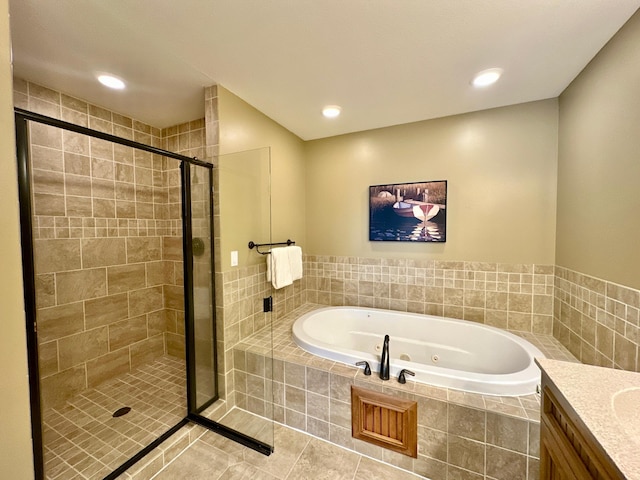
x=385, y=421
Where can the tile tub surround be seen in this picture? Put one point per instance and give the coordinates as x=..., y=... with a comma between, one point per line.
x=598, y=321
x=459, y=434
x=510, y=296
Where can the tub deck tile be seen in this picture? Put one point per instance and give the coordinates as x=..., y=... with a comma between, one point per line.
x=285, y=349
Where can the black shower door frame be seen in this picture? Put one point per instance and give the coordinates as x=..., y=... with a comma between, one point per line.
x=22, y=119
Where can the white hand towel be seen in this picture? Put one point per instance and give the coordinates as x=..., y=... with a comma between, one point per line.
x=295, y=262
x=280, y=268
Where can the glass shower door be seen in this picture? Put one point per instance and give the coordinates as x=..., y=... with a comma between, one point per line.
x=200, y=325
x=245, y=215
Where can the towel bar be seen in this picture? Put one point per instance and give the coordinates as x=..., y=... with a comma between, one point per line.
x=258, y=245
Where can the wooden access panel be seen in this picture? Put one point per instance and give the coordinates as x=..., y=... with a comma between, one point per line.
x=385, y=421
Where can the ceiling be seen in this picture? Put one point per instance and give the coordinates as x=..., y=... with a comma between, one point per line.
x=386, y=62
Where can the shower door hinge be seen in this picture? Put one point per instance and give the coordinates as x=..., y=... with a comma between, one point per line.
x=267, y=304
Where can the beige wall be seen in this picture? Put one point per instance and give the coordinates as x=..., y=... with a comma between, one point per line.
x=501, y=170
x=599, y=167
x=242, y=127
x=15, y=442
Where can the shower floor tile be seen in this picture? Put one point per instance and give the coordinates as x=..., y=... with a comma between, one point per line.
x=83, y=440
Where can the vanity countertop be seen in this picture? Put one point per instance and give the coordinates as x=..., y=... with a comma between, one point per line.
x=607, y=402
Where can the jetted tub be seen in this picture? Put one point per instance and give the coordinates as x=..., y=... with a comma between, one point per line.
x=441, y=351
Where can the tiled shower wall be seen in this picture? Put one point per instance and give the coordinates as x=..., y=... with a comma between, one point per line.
x=186, y=139
x=108, y=244
x=598, y=321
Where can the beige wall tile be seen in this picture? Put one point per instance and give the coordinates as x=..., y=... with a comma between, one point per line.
x=102, y=168
x=45, y=290
x=625, y=353
x=101, y=149
x=57, y=322
x=143, y=249
x=78, y=348
x=107, y=366
x=48, y=358
x=507, y=432
x=103, y=188
x=145, y=301
x=124, y=173
x=466, y=422
x=79, y=206
x=172, y=248
x=125, y=191
x=81, y=285
x=157, y=322
x=504, y=464
x=433, y=443
x=467, y=454
x=125, y=278
x=157, y=273
x=104, y=208
x=101, y=252
x=74, y=103
x=125, y=209
x=56, y=255
x=144, y=192
x=45, y=136
x=44, y=93
x=47, y=158
x=46, y=181
x=55, y=389
x=147, y=350
x=174, y=297
x=72, y=116
x=175, y=345
x=75, y=143
x=78, y=185
x=46, y=204
x=106, y=310
x=126, y=332
x=519, y=302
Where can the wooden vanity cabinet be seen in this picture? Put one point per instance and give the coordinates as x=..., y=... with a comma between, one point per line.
x=567, y=449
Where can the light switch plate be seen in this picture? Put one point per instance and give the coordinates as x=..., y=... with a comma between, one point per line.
x=234, y=258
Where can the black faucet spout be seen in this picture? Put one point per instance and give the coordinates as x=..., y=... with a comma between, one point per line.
x=384, y=359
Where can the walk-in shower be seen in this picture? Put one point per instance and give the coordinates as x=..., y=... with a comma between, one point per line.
x=118, y=255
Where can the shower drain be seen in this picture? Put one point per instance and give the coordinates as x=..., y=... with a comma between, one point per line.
x=121, y=411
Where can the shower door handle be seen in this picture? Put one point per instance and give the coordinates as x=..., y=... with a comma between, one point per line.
x=267, y=304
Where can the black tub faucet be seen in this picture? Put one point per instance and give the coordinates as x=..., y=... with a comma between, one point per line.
x=384, y=359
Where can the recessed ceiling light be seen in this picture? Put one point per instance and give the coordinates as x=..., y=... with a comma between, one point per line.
x=486, y=77
x=111, y=82
x=331, y=111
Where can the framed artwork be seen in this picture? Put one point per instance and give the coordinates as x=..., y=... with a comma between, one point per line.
x=408, y=212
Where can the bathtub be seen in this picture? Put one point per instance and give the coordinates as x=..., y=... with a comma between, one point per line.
x=441, y=351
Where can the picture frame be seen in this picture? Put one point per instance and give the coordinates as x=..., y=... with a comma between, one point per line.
x=408, y=212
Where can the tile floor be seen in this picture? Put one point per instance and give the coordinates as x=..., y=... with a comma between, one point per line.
x=297, y=456
x=82, y=440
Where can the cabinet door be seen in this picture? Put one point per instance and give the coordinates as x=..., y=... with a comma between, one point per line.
x=552, y=464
